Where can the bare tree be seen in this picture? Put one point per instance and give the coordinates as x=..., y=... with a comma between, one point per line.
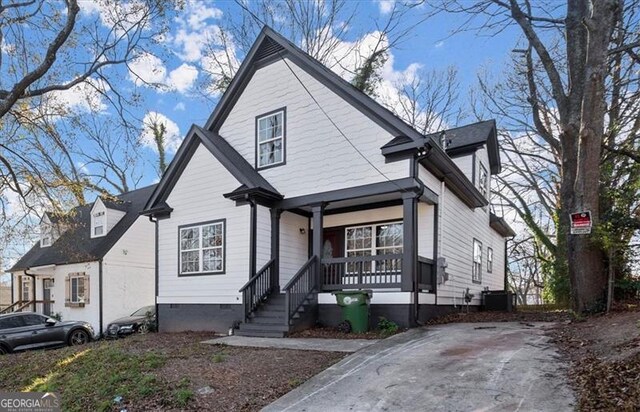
x=566, y=83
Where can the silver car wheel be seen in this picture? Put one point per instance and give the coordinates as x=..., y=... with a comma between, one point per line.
x=78, y=337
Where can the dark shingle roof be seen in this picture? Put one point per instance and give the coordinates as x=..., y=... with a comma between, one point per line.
x=470, y=135
x=75, y=244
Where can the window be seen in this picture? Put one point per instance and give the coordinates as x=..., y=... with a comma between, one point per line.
x=98, y=224
x=483, y=182
x=202, y=248
x=270, y=132
x=489, y=260
x=26, y=289
x=77, y=289
x=46, y=234
x=33, y=319
x=11, y=322
x=378, y=239
x=476, y=275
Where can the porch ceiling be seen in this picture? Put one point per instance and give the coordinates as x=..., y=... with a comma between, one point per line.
x=368, y=202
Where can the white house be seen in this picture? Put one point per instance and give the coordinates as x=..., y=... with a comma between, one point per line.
x=300, y=185
x=95, y=264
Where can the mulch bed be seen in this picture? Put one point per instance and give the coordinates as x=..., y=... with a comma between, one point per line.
x=604, y=351
x=326, y=332
x=554, y=316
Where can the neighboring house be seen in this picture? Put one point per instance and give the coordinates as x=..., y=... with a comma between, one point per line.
x=95, y=264
x=300, y=185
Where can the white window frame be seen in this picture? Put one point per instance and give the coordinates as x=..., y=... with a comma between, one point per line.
x=483, y=181
x=374, y=239
x=476, y=262
x=77, y=278
x=46, y=233
x=26, y=287
x=200, y=249
x=94, y=220
x=489, y=260
x=281, y=137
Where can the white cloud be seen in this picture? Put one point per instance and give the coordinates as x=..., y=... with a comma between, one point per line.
x=173, y=137
x=87, y=96
x=439, y=44
x=149, y=69
x=119, y=15
x=182, y=78
x=180, y=107
x=386, y=6
x=195, y=30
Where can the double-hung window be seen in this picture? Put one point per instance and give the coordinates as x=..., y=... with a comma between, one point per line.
x=77, y=289
x=483, y=183
x=202, y=248
x=476, y=274
x=270, y=130
x=376, y=239
x=489, y=260
x=98, y=224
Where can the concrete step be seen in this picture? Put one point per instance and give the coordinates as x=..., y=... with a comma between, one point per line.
x=264, y=327
x=260, y=334
x=264, y=320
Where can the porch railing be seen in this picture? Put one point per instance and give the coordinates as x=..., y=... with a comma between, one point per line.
x=301, y=286
x=37, y=306
x=256, y=290
x=379, y=271
x=426, y=274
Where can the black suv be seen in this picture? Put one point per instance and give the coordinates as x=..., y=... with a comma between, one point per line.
x=27, y=330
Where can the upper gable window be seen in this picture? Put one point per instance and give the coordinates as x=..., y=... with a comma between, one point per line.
x=270, y=139
x=98, y=220
x=46, y=233
x=483, y=181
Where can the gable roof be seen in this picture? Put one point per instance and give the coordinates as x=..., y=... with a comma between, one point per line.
x=233, y=161
x=75, y=245
x=500, y=225
x=271, y=46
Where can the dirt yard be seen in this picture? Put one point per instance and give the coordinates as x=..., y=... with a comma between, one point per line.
x=605, y=356
x=162, y=372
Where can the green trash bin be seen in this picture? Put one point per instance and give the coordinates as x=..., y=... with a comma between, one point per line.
x=355, y=308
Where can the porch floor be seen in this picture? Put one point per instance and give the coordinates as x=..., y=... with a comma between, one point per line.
x=319, y=344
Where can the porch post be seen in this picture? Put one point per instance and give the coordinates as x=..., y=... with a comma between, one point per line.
x=275, y=247
x=317, y=239
x=409, y=240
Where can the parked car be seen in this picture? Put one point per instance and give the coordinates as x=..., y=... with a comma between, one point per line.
x=142, y=320
x=27, y=330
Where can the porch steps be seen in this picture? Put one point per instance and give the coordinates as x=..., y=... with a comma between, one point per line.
x=268, y=320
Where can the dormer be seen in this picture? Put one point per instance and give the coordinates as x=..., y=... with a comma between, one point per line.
x=46, y=231
x=104, y=216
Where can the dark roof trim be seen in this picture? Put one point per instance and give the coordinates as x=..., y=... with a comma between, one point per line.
x=501, y=226
x=222, y=151
x=407, y=184
x=376, y=112
x=161, y=210
x=243, y=193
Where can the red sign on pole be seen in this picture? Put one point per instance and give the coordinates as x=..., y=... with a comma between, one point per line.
x=581, y=223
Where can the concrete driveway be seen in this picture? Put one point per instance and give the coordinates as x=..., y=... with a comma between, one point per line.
x=456, y=367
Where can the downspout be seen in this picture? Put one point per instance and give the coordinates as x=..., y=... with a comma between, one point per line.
x=12, y=291
x=33, y=282
x=100, y=296
x=252, y=235
x=416, y=278
x=156, y=271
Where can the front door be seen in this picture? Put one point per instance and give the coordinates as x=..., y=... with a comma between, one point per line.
x=47, y=296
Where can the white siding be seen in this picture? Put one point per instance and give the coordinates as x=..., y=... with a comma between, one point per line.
x=197, y=197
x=294, y=245
x=318, y=157
x=128, y=275
x=458, y=226
x=428, y=179
x=425, y=230
x=465, y=163
x=113, y=217
x=263, y=238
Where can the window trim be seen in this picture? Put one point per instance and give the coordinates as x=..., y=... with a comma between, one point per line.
x=374, y=238
x=283, y=110
x=224, y=248
x=103, y=215
x=84, y=289
x=484, y=189
x=26, y=281
x=489, y=260
x=476, y=278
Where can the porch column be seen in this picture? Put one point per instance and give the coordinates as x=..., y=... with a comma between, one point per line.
x=409, y=240
x=275, y=247
x=317, y=238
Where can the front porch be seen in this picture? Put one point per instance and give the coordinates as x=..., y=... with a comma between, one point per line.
x=33, y=292
x=366, y=241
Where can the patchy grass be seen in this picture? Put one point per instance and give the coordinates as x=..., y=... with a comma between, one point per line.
x=162, y=372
